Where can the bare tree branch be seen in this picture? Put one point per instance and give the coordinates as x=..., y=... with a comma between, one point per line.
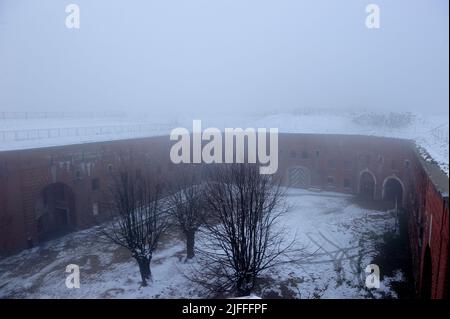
x=242, y=238
x=186, y=206
x=139, y=219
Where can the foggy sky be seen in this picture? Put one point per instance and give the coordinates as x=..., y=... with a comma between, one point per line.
x=193, y=56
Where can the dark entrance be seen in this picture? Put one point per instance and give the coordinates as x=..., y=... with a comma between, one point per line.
x=367, y=186
x=393, y=193
x=55, y=211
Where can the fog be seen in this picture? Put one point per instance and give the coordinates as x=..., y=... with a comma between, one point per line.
x=203, y=56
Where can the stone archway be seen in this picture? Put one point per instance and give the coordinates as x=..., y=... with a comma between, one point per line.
x=55, y=211
x=393, y=191
x=367, y=184
x=299, y=177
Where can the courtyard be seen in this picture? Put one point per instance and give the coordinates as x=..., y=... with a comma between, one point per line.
x=335, y=238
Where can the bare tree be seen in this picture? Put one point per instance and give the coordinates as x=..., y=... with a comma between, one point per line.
x=241, y=240
x=139, y=219
x=187, y=207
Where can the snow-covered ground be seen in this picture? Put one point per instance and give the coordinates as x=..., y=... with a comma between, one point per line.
x=338, y=237
x=430, y=132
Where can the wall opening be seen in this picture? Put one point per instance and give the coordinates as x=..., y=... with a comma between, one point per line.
x=367, y=186
x=393, y=192
x=55, y=215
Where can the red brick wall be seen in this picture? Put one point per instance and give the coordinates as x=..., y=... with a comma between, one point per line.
x=436, y=237
x=24, y=175
x=373, y=154
x=428, y=227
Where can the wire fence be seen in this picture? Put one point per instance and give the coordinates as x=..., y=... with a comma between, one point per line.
x=86, y=131
x=441, y=133
x=58, y=115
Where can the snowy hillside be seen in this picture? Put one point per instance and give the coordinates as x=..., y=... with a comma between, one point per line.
x=430, y=132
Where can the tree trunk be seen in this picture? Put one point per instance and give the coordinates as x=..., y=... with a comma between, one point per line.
x=244, y=285
x=190, y=244
x=144, y=268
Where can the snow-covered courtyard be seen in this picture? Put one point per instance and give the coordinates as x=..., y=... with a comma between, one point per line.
x=336, y=239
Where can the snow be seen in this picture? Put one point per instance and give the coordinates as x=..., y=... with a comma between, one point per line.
x=17, y=134
x=338, y=237
x=428, y=131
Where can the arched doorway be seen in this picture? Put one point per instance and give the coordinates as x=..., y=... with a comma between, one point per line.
x=55, y=211
x=299, y=176
x=393, y=192
x=367, y=184
x=425, y=290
